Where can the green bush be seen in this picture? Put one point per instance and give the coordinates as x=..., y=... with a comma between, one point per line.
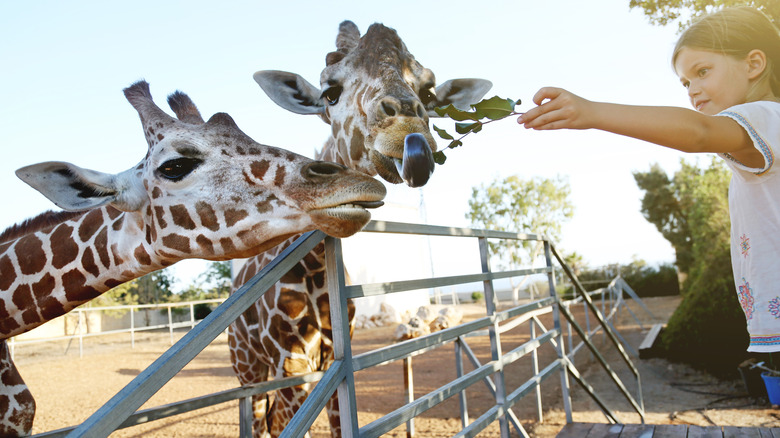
x=477, y=296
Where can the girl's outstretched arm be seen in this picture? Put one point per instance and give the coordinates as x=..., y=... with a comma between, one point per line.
x=677, y=128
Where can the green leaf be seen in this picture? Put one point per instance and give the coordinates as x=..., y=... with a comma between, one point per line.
x=455, y=114
x=454, y=144
x=442, y=133
x=463, y=128
x=439, y=157
x=495, y=108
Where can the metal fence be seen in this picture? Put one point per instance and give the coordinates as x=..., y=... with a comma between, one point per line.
x=120, y=411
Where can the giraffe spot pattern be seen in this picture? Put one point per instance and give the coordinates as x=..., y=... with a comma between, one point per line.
x=64, y=248
x=177, y=242
x=142, y=256
x=88, y=262
x=90, y=225
x=207, y=215
x=204, y=243
x=9, y=273
x=357, y=144
x=118, y=260
x=259, y=168
x=281, y=173
x=227, y=245
x=181, y=217
x=233, y=216
x=75, y=287
x=30, y=255
x=160, y=215
x=101, y=246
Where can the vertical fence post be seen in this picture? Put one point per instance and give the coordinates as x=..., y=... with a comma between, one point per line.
x=409, y=393
x=170, y=323
x=81, y=332
x=192, y=316
x=132, y=327
x=464, y=412
x=245, y=417
x=535, y=367
x=342, y=345
x=495, y=340
x=559, y=339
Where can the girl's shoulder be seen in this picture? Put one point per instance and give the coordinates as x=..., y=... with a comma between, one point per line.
x=758, y=113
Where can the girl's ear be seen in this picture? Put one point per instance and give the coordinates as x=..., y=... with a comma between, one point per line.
x=756, y=60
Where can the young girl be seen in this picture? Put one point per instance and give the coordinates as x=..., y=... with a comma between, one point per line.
x=729, y=62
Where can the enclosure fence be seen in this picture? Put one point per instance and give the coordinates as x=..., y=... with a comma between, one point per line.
x=81, y=315
x=120, y=411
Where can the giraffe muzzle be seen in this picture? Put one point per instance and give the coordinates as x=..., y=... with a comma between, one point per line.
x=417, y=165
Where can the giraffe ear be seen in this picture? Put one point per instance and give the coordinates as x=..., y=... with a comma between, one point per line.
x=461, y=93
x=290, y=91
x=75, y=189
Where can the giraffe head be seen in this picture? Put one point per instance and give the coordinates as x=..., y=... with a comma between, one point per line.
x=207, y=190
x=377, y=99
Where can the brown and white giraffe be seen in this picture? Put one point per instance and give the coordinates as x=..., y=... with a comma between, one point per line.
x=378, y=100
x=204, y=190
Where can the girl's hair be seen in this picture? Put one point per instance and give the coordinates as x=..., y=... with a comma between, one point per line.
x=735, y=32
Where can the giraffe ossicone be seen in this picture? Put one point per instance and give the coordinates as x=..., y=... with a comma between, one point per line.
x=204, y=190
x=378, y=100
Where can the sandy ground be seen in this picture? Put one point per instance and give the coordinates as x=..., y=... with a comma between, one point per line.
x=68, y=389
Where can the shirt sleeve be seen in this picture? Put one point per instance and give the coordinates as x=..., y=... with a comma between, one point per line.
x=761, y=121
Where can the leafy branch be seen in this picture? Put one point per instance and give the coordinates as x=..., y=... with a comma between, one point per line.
x=466, y=122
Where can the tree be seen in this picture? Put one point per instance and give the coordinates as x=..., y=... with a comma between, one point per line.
x=663, y=12
x=538, y=206
x=708, y=328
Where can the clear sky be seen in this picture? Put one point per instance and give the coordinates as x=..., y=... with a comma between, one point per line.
x=64, y=65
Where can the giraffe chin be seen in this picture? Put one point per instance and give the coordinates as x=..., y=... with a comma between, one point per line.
x=341, y=221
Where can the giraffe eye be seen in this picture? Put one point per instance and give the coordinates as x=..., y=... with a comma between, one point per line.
x=178, y=168
x=427, y=96
x=332, y=94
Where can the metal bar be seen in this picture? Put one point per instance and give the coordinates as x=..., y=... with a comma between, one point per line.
x=559, y=339
x=591, y=392
x=342, y=345
x=106, y=419
x=409, y=393
x=433, y=230
x=315, y=402
x=422, y=404
x=373, y=289
x=464, y=411
x=491, y=303
x=604, y=365
x=496, y=411
x=193, y=404
x=607, y=332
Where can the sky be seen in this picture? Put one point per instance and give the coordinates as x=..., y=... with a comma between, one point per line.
x=64, y=65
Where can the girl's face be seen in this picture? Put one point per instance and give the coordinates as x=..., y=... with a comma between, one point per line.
x=714, y=81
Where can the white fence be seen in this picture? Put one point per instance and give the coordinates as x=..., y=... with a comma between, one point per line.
x=89, y=322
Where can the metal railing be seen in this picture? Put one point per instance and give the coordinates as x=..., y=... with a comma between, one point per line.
x=120, y=411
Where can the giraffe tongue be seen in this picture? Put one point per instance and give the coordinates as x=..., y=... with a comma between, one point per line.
x=417, y=165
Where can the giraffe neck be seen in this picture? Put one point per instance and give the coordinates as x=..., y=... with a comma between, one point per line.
x=47, y=273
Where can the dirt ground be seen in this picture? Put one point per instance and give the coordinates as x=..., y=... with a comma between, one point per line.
x=68, y=389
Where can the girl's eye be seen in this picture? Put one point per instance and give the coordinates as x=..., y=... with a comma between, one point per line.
x=686, y=84
x=178, y=168
x=332, y=94
x=702, y=72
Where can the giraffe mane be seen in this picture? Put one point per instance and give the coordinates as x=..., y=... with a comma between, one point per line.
x=43, y=221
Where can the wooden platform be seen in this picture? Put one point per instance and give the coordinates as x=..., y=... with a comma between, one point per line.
x=599, y=430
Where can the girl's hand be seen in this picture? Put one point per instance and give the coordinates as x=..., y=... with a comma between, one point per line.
x=557, y=109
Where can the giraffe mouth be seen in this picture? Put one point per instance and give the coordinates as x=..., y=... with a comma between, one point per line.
x=415, y=166
x=345, y=219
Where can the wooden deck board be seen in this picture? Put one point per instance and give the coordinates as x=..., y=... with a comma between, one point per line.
x=601, y=430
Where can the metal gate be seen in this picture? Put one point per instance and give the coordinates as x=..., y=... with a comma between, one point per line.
x=120, y=411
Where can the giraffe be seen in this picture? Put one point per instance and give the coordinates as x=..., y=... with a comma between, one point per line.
x=377, y=99
x=204, y=190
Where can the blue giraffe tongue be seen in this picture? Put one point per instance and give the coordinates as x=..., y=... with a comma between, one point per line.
x=417, y=165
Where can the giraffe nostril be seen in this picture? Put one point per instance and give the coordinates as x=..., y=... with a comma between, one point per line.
x=322, y=168
x=388, y=109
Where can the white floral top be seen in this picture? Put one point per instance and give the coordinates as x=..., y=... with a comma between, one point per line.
x=754, y=205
